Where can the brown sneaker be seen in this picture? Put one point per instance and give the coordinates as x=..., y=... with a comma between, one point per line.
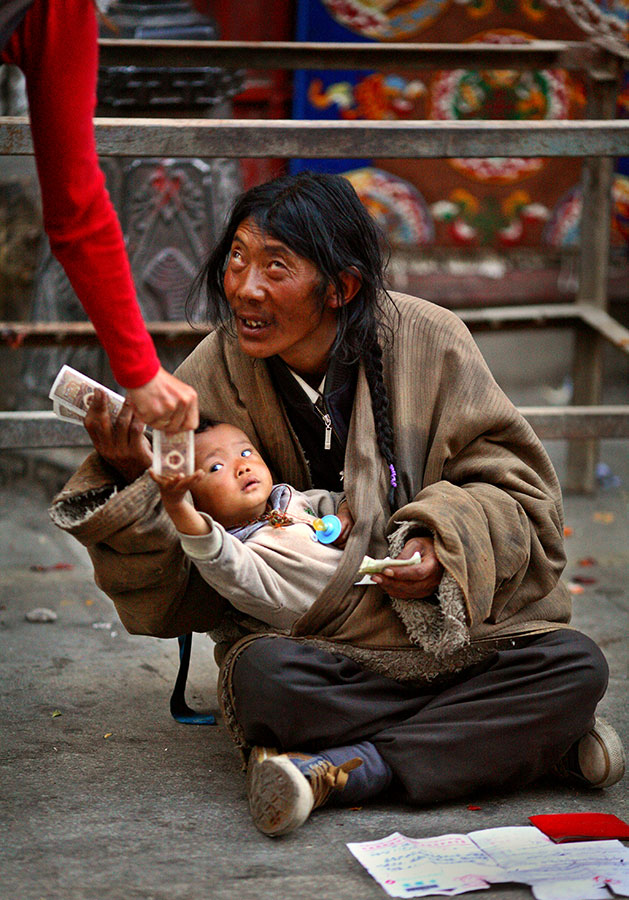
x=597, y=760
x=284, y=788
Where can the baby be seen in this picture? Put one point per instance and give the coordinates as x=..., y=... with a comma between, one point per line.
x=254, y=542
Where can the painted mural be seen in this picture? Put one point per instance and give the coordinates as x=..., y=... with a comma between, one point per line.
x=494, y=202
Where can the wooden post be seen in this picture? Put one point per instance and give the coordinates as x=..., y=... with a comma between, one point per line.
x=587, y=367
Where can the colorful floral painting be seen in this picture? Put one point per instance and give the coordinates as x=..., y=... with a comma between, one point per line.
x=494, y=202
x=396, y=205
x=563, y=225
x=500, y=94
x=470, y=221
x=535, y=10
x=386, y=20
x=375, y=96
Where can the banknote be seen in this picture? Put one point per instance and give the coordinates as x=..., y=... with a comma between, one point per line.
x=67, y=413
x=73, y=389
x=370, y=566
x=173, y=453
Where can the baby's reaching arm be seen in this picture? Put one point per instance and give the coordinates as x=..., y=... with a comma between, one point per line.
x=173, y=489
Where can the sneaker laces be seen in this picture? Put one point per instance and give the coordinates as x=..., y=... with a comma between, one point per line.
x=324, y=777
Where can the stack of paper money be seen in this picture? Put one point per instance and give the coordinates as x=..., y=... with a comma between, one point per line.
x=72, y=393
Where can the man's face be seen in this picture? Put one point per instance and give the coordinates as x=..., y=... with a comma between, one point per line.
x=277, y=300
x=237, y=485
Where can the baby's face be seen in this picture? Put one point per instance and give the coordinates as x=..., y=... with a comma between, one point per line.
x=237, y=483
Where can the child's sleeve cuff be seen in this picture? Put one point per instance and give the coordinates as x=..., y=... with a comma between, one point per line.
x=203, y=546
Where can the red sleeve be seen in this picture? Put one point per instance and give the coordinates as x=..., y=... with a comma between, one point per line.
x=56, y=48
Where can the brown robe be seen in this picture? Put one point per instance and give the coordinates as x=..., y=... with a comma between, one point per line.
x=469, y=469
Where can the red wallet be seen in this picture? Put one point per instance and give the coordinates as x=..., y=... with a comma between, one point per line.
x=581, y=826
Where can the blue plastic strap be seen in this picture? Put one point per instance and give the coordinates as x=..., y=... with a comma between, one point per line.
x=179, y=709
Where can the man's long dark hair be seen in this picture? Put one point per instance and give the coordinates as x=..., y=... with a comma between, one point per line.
x=320, y=217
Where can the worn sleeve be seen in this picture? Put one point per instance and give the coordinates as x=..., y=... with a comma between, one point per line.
x=324, y=503
x=137, y=556
x=138, y=560
x=251, y=575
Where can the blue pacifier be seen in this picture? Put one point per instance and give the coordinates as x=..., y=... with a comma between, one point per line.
x=327, y=529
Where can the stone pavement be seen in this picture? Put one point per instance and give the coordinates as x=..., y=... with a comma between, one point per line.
x=105, y=797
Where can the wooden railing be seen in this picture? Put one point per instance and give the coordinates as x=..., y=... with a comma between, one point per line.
x=597, y=140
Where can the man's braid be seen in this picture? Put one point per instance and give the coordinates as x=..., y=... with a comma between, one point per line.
x=372, y=358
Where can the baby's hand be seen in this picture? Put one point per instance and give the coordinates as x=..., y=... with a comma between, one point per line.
x=174, y=488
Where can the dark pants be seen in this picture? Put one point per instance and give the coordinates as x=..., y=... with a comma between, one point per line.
x=502, y=723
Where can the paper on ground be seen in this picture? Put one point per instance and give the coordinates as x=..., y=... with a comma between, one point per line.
x=406, y=867
x=586, y=889
x=455, y=863
x=532, y=858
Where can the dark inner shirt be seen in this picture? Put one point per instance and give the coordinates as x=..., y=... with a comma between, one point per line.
x=326, y=466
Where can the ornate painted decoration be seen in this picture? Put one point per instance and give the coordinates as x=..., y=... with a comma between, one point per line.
x=470, y=221
x=602, y=18
x=396, y=205
x=386, y=20
x=563, y=225
x=375, y=96
x=499, y=94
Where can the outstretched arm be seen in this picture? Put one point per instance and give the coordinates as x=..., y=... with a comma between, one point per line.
x=173, y=490
x=166, y=403
x=79, y=218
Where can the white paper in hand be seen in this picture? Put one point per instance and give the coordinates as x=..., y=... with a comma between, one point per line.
x=370, y=566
